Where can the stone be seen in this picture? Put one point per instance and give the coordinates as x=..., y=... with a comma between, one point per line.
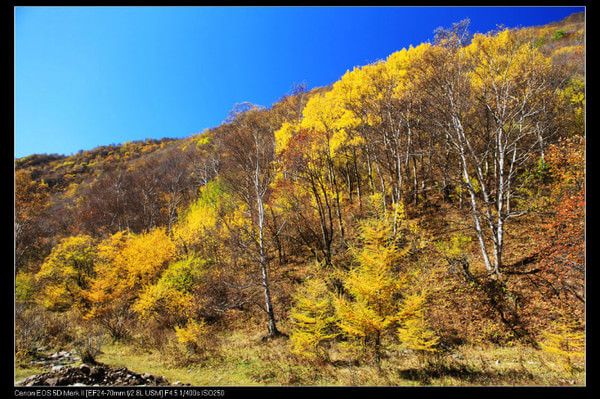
x=52, y=381
x=85, y=369
x=97, y=375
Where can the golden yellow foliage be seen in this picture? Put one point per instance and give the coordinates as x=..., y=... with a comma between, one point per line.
x=193, y=335
x=171, y=299
x=127, y=263
x=565, y=339
x=369, y=311
x=24, y=287
x=283, y=136
x=201, y=217
x=313, y=320
x=67, y=272
x=414, y=332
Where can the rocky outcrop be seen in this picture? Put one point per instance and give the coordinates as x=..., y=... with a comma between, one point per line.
x=62, y=358
x=93, y=375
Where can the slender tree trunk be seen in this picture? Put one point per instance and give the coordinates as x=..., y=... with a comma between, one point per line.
x=499, y=203
x=264, y=266
x=475, y=214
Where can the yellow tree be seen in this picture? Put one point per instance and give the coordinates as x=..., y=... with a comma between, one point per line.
x=565, y=339
x=328, y=125
x=170, y=300
x=313, y=319
x=126, y=264
x=368, y=310
x=66, y=273
x=414, y=332
x=197, y=227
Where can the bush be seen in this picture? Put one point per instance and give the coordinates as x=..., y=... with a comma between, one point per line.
x=29, y=331
x=193, y=342
x=36, y=328
x=559, y=34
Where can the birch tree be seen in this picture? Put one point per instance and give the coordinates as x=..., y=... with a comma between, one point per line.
x=248, y=169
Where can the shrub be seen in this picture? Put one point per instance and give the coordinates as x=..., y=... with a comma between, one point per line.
x=559, y=34
x=193, y=343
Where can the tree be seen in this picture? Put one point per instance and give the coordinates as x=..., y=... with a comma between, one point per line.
x=566, y=340
x=127, y=263
x=32, y=198
x=248, y=171
x=170, y=301
x=414, y=332
x=367, y=311
x=560, y=242
x=67, y=272
x=490, y=97
x=313, y=319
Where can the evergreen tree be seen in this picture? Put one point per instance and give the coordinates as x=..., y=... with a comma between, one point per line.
x=414, y=332
x=313, y=320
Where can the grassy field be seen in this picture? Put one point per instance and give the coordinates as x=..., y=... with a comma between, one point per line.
x=22, y=372
x=245, y=360
x=245, y=363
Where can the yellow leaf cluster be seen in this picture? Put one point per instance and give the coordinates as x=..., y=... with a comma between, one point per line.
x=67, y=272
x=565, y=339
x=414, y=332
x=312, y=319
x=201, y=217
x=127, y=263
x=192, y=333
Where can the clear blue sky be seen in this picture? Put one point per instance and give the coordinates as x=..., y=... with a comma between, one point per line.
x=88, y=76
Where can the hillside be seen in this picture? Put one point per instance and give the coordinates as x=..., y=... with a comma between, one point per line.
x=419, y=221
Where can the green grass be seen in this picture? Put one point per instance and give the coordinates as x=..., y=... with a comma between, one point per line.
x=22, y=372
x=245, y=360
x=242, y=359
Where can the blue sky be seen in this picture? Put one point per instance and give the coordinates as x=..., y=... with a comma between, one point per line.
x=88, y=76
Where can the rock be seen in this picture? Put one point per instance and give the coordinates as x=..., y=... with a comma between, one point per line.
x=98, y=375
x=85, y=369
x=57, y=368
x=52, y=381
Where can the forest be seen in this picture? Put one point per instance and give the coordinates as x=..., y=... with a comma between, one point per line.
x=420, y=221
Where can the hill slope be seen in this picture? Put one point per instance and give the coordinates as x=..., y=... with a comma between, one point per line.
x=418, y=207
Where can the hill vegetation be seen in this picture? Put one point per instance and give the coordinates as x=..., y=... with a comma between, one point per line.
x=421, y=220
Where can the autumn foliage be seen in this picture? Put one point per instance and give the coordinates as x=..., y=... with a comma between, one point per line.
x=429, y=200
